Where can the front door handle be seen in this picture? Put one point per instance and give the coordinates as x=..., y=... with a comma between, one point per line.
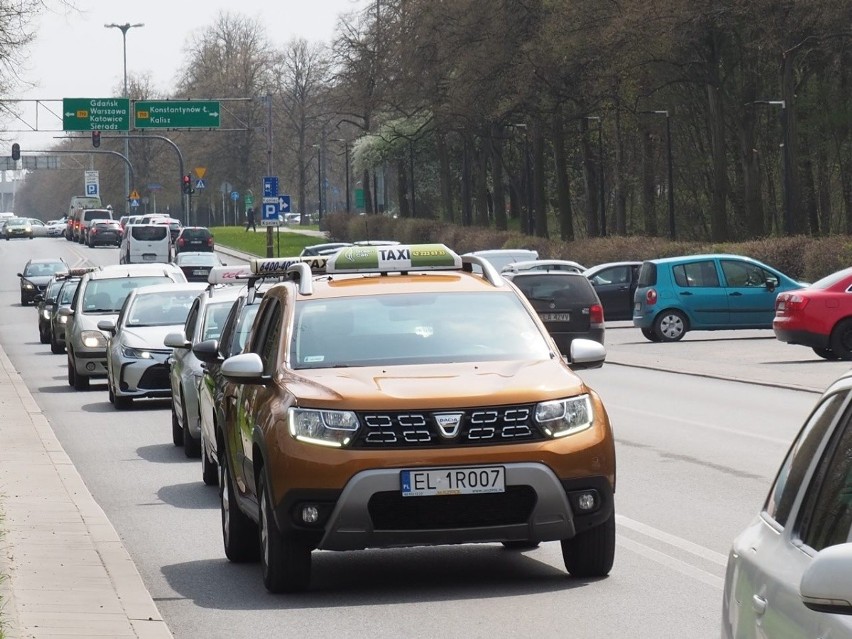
x=758, y=603
x=685, y=293
x=735, y=294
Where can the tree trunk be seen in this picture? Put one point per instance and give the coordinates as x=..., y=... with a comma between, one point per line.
x=823, y=189
x=752, y=194
x=467, y=213
x=719, y=196
x=618, y=179
x=590, y=180
x=539, y=196
x=448, y=213
x=368, y=199
x=402, y=193
x=481, y=184
x=649, y=183
x=497, y=179
x=563, y=184
x=791, y=145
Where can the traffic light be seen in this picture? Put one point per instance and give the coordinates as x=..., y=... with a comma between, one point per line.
x=187, y=184
x=96, y=139
x=16, y=151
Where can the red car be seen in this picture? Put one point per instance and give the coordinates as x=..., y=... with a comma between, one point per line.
x=819, y=316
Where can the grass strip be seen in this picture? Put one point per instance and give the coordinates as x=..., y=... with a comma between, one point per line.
x=284, y=244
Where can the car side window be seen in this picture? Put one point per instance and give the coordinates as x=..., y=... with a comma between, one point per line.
x=191, y=321
x=827, y=506
x=739, y=274
x=779, y=503
x=696, y=274
x=266, y=343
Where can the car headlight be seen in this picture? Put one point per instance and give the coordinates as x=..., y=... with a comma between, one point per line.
x=93, y=339
x=62, y=319
x=323, y=427
x=135, y=353
x=28, y=286
x=45, y=314
x=563, y=417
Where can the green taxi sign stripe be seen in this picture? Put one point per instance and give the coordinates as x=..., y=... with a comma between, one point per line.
x=277, y=266
x=378, y=259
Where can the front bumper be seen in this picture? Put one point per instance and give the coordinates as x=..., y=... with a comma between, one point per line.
x=370, y=512
x=143, y=378
x=90, y=362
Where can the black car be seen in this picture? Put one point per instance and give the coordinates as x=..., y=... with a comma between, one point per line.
x=615, y=283
x=104, y=232
x=46, y=306
x=193, y=238
x=57, y=319
x=196, y=265
x=36, y=275
x=566, y=303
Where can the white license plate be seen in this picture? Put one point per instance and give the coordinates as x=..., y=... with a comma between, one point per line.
x=148, y=257
x=199, y=272
x=556, y=317
x=453, y=481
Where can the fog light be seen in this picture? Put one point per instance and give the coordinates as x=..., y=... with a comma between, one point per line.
x=586, y=501
x=310, y=514
x=90, y=366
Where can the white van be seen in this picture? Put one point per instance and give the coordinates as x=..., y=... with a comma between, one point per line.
x=145, y=243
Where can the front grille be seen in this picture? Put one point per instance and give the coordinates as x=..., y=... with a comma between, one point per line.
x=392, y=511
x=447, y=428
x=155, y=378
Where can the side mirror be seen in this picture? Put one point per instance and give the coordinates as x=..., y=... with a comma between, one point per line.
x=826, y=584
x=586, y=353
x=38, y=297
x=771, y=283
x=207, y=351
x=246, y=368
x=176, y=340
x=65, y=311
x=107, y=326
x=20, y=274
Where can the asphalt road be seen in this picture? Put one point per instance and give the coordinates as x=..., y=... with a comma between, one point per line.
x=696, y=456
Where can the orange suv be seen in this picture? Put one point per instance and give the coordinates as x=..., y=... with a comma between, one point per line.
x=401, y=399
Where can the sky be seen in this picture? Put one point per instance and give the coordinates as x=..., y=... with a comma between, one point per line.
x=74, y=56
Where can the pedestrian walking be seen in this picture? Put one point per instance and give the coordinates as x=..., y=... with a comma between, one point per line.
x=250, y=220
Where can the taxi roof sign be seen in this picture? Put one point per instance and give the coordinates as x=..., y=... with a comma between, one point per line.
x=228, y=274
x=277, y=266
x=402, y=257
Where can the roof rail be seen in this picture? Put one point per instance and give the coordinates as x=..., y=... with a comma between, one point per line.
x=302, y=272
x=228, y=274
x=488, y=271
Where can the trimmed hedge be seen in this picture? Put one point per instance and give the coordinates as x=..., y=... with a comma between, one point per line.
x=801, y=257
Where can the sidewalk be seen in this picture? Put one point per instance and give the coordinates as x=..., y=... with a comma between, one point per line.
x=64, y=572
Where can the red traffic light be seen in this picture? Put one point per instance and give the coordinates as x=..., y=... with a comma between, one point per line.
x=96, y=139
x=16, y=151
x=187, y=184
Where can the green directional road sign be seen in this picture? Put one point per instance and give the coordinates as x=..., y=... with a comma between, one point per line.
x=96, y=114
x=176, y=114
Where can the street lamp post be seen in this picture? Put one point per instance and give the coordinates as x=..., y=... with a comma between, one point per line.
x=346, y=153
x=318, y=147
x=787, y=169
x=600, y=173
x=124, y=28
x=670, y=162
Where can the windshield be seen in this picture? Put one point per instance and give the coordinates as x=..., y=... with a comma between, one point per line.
x=160, y=309
x=205, y=259
x=415, y=328
x=43, y=269
x=67, y=292
x=107, y=296
x=214, y=319
x=149, y=233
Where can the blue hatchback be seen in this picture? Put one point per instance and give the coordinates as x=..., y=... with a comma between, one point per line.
x=705, y=292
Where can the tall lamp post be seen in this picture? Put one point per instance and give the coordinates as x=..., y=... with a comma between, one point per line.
x=318, y=147
x=124, y=28
x=670, y=162
x=346, y=154
x=600, y=173
x=787, y=169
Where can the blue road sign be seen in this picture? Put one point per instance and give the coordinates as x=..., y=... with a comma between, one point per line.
x=269, y=214
x=270, y=186
x=283, y=204
x=91, y=189
x=134, y=203
x=200, y=184
x=235, y=195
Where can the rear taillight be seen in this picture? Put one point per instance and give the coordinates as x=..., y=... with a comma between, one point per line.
x=596, y=316
x=181, y=241
x=791, y=302
x=210, y=242
x=651, y=296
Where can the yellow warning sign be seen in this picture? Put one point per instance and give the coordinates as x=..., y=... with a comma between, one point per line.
x=134, y=195
x=200, y=171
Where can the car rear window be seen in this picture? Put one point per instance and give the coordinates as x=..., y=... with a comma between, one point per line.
x=647, y=274
x=149, y=233
x=97, y=215
x=196, y=234
x=564, y=288
x=108, y=295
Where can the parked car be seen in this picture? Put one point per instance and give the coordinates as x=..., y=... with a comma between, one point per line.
x=818, y=316
x=104, y=232
x=706, y=292
x=789, y=573
x=99, y=296
x=615, y=283
x=501, y=258
x=194, y=239
x=196, y=265
x=204, y=322
x=419, y=407
x=566, y=302
x=17, y=228
x=56, y=228
x=36, y=275
x=38, y=227
x=567, y=266
x=137, y=357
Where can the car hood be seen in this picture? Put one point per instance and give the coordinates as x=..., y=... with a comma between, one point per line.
x=434, y=385
x=150, y=337
x=39, y=280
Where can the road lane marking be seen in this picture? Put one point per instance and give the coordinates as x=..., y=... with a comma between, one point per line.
x=687, y=546
x=675, y=564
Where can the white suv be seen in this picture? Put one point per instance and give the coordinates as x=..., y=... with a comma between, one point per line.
x=100, y=296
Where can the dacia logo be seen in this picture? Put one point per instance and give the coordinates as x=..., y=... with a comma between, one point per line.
x=395, y=254
x=449, y=424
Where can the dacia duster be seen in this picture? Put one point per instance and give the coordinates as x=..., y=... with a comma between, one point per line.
x=401, y=399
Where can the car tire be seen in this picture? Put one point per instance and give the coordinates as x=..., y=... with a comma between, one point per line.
x=841, y=339
x=209, y=468
x=650, y=334
x=285, y=560
x=43, y=337
x=71, y=372
x=177, y=430
x=591, y=552
x=24, y=301
x=55, y=347
x=670, y=326
x=191, y=445
x=826, y=353
x=239, y=533
x=81, y=382
x=122, y=403
x=110, y=394
x=520, y=545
